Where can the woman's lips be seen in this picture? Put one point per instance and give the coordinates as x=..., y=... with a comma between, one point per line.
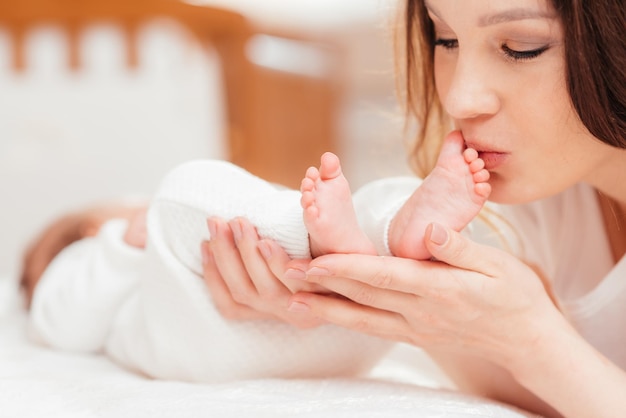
x=493, y=159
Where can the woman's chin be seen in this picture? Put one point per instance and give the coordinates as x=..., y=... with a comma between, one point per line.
x=504, y=194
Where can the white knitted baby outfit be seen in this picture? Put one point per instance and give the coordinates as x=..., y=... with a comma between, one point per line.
x=151, y=311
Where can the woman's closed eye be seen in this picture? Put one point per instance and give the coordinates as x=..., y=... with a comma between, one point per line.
x=524, y=55
x=510, y=53
x=447, y=43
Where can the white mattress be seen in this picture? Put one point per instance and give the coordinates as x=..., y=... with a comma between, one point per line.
x=37, y=382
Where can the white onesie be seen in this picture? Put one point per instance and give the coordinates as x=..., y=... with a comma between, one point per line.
x=150, y=311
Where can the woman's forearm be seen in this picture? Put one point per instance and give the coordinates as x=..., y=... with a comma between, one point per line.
x=484, y=378
x=569, y=374
x=559, y=371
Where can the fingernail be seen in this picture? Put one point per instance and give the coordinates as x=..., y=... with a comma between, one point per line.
x=318, y=271
x=295, y=274
x=212, y=227
x=438, y=234
x=235, y=226
x=265, y=249
x=298, y=307
x=205, y=253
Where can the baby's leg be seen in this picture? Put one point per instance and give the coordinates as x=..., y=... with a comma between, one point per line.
x=452, y=195
x=328, y=211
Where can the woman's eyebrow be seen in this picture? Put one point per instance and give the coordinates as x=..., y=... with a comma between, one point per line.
x=503, y=16
x=514, y=14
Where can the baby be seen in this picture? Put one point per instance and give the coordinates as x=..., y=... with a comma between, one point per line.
x=148, y=309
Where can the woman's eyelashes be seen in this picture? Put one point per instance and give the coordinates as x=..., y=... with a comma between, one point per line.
x=516, y=55
x=513, y=54
x=447, y=43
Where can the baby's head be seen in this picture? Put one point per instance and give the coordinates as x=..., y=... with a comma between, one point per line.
x=45, y=247
x=66, y=230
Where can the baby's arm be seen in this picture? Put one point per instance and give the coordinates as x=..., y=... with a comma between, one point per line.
x=82, y=289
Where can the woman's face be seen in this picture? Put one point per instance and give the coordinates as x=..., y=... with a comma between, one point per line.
x=500, y=74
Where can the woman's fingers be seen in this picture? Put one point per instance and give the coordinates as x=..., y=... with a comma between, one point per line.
x=456, y=250
x=351, y=315
x=422, y=278
x=241, y=283
x=291, y=272
x=228, y=260
x=386, y=273
x=262, y=278
x=272, y=294
x=220, y=293
x=369, y=295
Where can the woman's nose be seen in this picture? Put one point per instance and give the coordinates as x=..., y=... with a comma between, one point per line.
x=471, y=92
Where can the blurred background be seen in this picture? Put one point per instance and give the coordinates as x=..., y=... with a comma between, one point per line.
x=99, y=108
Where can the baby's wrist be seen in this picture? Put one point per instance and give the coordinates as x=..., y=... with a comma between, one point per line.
x=394, y=229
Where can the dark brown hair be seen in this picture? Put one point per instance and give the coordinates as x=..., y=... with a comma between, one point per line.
x=595, y=54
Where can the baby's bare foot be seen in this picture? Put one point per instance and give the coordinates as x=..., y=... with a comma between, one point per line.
x=328, y=211
x=452, y=194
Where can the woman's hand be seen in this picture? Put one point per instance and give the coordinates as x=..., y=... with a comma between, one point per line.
x=476, y=300
x=242, y=271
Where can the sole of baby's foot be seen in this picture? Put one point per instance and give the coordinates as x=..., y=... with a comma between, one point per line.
x=328, y=211
x=452, y=195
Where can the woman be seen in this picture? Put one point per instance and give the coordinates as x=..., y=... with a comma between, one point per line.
x=538, y=87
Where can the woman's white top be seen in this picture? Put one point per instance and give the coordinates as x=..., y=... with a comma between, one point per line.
x=566, y=237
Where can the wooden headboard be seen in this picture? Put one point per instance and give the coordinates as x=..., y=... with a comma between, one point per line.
x=273, y=129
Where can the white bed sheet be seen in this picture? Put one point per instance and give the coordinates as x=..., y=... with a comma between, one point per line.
x=37, y=382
